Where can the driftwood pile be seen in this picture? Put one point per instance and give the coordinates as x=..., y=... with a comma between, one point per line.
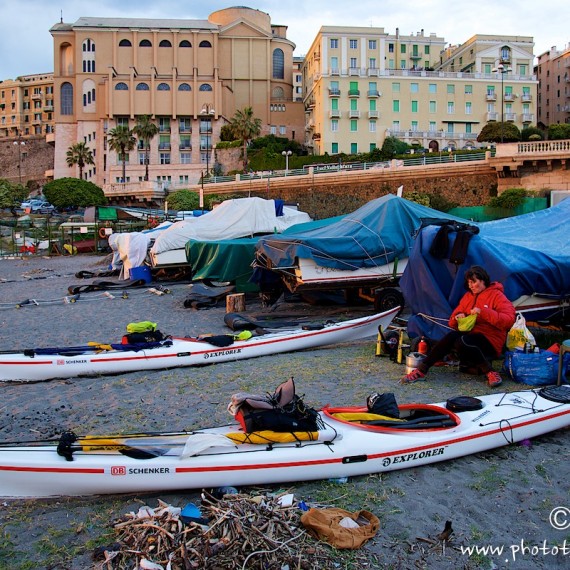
x=240, y=531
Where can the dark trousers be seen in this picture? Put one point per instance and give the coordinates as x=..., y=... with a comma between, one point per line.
x=472, y=349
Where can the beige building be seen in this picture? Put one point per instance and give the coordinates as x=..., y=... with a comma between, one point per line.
x=553, y=73
x=27, y=106
x=190, y=76
x=363, y=84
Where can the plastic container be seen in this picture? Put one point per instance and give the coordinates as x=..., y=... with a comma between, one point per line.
x=413, y=360
x=142, y=272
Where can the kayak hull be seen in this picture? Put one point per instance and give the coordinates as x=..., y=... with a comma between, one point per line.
x=185, y=352
x=342, y=451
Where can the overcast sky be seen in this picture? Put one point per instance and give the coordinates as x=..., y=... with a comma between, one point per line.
x=26, y=46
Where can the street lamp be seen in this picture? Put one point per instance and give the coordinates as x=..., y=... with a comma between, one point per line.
x=286, y=154
x=20, y=143
x=208, y=111
x=502, y=70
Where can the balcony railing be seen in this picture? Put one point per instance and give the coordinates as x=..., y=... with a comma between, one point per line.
x=373, y=93
x=334, y=92
x=335, y=71
x=416, y=56
x=164, y=146
x=373, y=71
x=509, y=97
x=353, y=93
x=334, y=114
x=373, y=114
x=354, y=114
x=353, y=71
x=526, y=97
x=491, y=96
x=510, y=117
x=492, y=116
x=527, y=117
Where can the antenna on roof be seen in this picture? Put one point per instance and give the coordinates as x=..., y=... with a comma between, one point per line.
x=61, y=17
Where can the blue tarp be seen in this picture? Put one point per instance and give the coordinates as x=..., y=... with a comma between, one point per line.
x=528, y=254
x=376, y=234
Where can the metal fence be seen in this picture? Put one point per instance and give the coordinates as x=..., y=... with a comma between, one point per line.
x=41, y=236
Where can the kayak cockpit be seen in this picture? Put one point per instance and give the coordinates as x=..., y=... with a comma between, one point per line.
x=412, y=418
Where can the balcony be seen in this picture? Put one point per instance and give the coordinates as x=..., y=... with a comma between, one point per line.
x=334, y=92
x=353, y=71
x=164, y=146
x=354, y=114
x=373, y=93
x=491, y=96
x=335, y=71
x=416, y=56
x=492, y=116
x=372, y=72
x=511, y=117
x=509, y=97
x=48, y=108
x=527, y=117
x=354, y=93
x=36, y=96
x=526, y=97
x=334, y=114
x=162, y=129
x=373, y=114
x=316, y=136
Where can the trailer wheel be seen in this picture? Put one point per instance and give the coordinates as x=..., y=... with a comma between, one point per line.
x=386, y=299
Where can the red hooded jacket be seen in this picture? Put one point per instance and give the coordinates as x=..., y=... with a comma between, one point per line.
x=496, y=318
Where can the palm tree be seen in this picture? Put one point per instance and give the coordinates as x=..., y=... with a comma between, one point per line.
x=246, y=127
x=81, y=155
x=121, y=140
x=145, y=130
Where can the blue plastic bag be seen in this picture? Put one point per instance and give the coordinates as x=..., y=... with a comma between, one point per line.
x=534, y=368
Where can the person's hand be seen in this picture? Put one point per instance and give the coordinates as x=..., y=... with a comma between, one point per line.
x=459, y=316
x=475, y=310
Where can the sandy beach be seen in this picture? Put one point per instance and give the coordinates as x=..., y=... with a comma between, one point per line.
x=501, y=499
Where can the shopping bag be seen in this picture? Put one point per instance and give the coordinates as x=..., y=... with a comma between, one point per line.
x=535, y=368
x=519, y=335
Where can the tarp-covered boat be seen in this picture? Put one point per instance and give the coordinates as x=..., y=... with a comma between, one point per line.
x=213, y=458
x=243, y=217
x=369, y=247
x=68, y=362
x=528, y=254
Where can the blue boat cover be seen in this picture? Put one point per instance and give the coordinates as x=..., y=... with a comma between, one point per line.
x=528, y=254
x=376, y=234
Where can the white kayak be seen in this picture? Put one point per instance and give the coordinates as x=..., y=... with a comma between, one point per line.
x=210, y=457
x=69, y=362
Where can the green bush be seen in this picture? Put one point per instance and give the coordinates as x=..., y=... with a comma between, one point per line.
x=74, y=193
x=509, y=199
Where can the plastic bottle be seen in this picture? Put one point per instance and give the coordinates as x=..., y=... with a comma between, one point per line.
x=423, y=346
x=400, y=353
x=340, y=480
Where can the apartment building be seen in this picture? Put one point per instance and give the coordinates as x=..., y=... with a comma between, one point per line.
x=364, y=84
x=190, y=76
x=27, y=106
x=553, y=73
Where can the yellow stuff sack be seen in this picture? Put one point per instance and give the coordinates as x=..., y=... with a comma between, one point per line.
x=141, y=327
x=465, y=324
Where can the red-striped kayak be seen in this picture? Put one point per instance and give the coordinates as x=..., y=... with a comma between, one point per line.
x=72, y=362
x=212, y=458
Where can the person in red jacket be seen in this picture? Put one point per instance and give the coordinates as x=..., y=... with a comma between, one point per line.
x=494, y=315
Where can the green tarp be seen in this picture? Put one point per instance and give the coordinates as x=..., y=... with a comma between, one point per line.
x=224, y=260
